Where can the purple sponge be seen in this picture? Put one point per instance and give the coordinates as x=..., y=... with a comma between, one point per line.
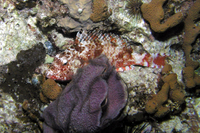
x=91, y=101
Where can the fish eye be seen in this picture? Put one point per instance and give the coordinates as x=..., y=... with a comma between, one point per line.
x=65, y=63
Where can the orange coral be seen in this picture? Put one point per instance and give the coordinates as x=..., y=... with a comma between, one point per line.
x=100, y=11
x=51, y=89
x=154, y=14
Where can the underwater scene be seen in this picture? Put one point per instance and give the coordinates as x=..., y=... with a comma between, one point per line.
x=99, y=66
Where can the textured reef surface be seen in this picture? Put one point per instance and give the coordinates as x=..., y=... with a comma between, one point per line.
x=107, y=66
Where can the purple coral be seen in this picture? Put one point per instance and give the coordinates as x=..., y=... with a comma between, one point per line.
x=92, y=100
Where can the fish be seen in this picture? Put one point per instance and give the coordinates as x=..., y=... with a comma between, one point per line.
x=91, y=44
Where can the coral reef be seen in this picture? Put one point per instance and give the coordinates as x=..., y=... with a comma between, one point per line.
x=20, y=4
x=79, y=9
x=134, y=47
x=32, y=111
x=153, y=12
x=191, y=32
x=17, y=32
x=99, y=11
x=78, y=18
x=170, y=90
x=140, y=87
x=12, y=118
x=47, y=12
x=19, y=73
x=91, y=101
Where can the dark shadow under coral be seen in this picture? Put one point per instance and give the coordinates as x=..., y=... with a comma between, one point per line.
x=174, y=31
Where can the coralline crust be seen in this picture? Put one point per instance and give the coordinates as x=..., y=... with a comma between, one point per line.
x=154, y=14
x=170, y=90
x=100, y=11
x=191, y=32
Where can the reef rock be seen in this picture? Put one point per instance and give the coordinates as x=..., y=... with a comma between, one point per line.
x=90, y=102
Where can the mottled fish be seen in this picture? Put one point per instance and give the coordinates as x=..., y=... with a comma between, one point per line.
x=89, y=45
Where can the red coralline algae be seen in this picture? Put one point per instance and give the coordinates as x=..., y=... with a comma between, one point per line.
x=89, y=45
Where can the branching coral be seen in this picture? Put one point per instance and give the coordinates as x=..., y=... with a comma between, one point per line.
x=92, y=100
x=156, y=106
x=153, y=12
x=170, y=90
x=191, y=79
x=191, y=32
x=176, y=93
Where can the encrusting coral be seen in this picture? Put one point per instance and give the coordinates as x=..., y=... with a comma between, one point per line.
x=170, y=90
x=191, y=32
x=153, y=12
x=90, y=102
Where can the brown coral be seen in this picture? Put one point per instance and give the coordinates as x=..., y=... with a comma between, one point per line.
x=191, y=79
x=191, y=32
x=171, y=79
x=153, y=12
x=156, y=104
x=166, y=69
x=176, y=93
x=100, y=11
x=170, y=90
x=51, y=89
